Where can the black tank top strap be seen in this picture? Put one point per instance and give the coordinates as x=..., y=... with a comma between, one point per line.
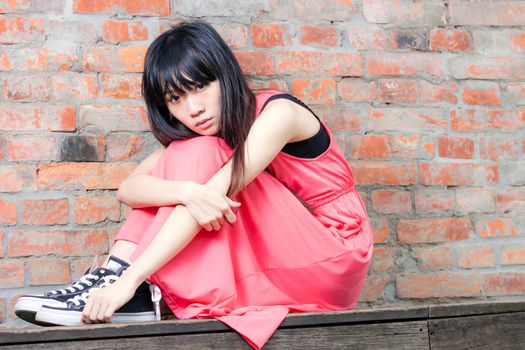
x=311, y=147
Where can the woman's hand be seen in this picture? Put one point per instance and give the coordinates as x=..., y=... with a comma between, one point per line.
x=208, y=207
x=102, y=303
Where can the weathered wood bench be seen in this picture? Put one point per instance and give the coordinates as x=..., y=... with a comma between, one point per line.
x=480, y=325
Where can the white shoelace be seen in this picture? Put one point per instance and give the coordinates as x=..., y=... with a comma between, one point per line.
x=82, y=298
x=78, y=285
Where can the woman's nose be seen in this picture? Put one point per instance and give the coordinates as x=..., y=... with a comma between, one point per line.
x=195, y=106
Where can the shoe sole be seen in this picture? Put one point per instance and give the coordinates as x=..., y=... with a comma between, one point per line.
x=54, y=317
x=26, y=308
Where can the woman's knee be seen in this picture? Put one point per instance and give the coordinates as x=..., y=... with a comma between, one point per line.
x=195, y=159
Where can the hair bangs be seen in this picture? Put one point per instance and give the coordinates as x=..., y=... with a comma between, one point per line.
x=182, y=71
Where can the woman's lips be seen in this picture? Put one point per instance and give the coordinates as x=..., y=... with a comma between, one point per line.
x=203, y=121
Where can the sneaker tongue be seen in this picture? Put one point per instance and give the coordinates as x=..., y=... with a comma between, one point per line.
x=116, y=264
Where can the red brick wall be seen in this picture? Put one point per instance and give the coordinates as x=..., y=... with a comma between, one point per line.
x=426, y=98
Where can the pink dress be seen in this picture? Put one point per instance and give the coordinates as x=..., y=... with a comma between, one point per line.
x=278, y=257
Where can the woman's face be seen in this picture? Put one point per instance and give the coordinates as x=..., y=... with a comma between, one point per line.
x=199, y=108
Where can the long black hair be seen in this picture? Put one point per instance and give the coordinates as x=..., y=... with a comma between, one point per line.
x=194, y=53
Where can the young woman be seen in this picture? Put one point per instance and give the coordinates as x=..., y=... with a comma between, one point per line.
x=247, y=212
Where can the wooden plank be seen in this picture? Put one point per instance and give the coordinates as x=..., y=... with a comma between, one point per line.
x=172, y=327
x=497, y=331
x=405, y=335
x=477, y=308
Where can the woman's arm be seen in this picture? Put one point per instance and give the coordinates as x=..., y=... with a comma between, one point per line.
x=275, y=127
x=132, y=191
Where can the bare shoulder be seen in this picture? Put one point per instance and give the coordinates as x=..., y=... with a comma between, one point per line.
x=303, y=122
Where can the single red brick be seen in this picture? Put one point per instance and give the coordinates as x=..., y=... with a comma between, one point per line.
x=73, y=31
x=515, y=92
x=433, y=230
x=513, y=254
x=459, y=174
x=19, y=117
x=503, y=283
x=404, y=13
x=63, y=59
x=374, y=288
x=406, y=119
x=444, y=92
x=506, y=13
x=381, y=230
x=511, y=199
x=456, y=147
x=74, y=87
x=385, y=258
x=34, y=88
x=464, y=67
x=1, y=245
x=391, y=202
x=124, y=30
x=24, y=60
x=105, y=118
x=60, y=242
x=48, y=271
x=450, y=40
x=256, y=63
x=121, y=86
x=437, y=285
x=21, y=30
x=17, y=6
x=397, y=91
x=130, y=7
x=498, y=147
x=370, y=146
x=475, y=200
x=368, y=39
x=125, y=147
x=59, y=118
x=45, y=211
x=235, y=35
x=313, y=10
x=517, y=42
x=340, y=118
x=11, y=274
x=369, y=173
x=89, y=210
x=357, y=90
x=412, y=147
x=475, y=257
x=488, y=227
x=325, y=36
x=114, y=59
x=83, y=175
x=434, y=201
x=407, y=64
x=329, y=63
x=475, y=120
x=7, y=213
x=484, y=95
x=315, y=90
x=268, y=35
x=433, y=259
x=21, y=148
x=16, y=178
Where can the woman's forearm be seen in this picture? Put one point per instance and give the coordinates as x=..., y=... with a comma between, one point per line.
x=140, y=191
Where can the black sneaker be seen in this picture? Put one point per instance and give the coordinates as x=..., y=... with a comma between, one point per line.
x=27, y=306
x=139, y=309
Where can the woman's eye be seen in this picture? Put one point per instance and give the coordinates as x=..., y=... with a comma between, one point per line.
x=173, y=99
